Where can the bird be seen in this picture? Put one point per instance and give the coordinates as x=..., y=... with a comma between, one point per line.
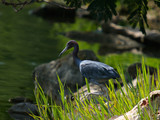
x=94, y=71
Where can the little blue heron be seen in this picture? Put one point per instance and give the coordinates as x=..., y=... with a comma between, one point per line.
x=92, y=70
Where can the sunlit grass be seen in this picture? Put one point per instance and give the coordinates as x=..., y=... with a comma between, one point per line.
x=127, y=58
x=120, y=102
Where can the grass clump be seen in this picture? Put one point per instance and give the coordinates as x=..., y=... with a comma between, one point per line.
x=121, y=100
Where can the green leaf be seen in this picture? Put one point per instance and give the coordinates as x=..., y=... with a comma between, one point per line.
x=157, y=2
x=138, y=15
x=142, y=28
x=103, y=9
x=132, y=14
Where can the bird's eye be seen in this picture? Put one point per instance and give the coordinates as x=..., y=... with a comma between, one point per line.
x=71, y=44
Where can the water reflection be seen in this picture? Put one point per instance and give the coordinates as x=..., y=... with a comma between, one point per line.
x=24, y=43
x=2, y=63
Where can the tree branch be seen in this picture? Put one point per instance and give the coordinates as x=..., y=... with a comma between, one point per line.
x=18, y=5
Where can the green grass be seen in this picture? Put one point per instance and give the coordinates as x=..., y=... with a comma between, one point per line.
x=120, y=102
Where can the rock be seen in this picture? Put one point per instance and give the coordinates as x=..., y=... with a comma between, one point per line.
x=135, y=51
x=132, y=69
x=55, y=13
x=144, y=107
x=112, y=40
x=109, y=42
x=20, y=99
x=150, y=41
x=117, y=29
x=22, y=110
x=96, y=90
x=84, y=13
x=152, y=37
x=68, y=72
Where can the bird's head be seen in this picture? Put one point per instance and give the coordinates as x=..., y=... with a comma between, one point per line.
x=69, y=45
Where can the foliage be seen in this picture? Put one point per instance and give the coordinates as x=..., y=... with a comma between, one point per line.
x=102, y=9
x=120, y=102
x=138, y=14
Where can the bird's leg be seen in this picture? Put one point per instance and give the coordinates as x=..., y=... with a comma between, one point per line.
x=95, y=82
x=108, y=98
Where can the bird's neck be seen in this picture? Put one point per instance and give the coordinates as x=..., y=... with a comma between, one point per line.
x=75, y=54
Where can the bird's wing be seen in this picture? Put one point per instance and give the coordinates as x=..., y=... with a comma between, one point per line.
x=97, y=70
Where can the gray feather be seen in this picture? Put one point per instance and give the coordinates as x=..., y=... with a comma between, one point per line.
x=97, y=70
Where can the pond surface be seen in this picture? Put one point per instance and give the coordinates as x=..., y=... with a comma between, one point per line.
x=27, y=41
x=24, y=43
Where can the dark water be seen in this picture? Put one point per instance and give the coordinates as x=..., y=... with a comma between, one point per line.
x=25, y=42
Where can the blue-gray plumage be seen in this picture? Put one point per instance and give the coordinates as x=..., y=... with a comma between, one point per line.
x=92, y=70
x=97, y=70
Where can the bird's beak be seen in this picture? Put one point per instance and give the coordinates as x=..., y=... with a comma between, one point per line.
x=65, y=49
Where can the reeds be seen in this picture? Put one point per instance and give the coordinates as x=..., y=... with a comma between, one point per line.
x=121, y=101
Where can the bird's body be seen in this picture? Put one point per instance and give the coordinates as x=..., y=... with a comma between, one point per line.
x=97, y=70
x=92, y=70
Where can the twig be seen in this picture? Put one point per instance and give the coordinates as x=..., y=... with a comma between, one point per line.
x=19, y=5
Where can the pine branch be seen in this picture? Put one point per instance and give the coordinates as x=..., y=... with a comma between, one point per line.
x=138, y=16
x=103, y=9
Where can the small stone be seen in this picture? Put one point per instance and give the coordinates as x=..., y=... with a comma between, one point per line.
x=21, y=111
